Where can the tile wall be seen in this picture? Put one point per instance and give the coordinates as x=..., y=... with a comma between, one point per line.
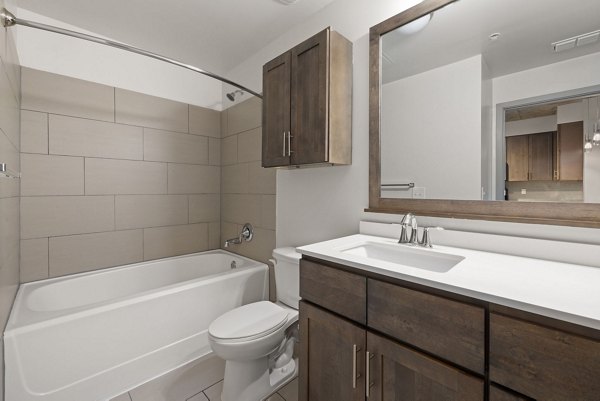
x=112, y=177
x=247, y=189
x=9, y=188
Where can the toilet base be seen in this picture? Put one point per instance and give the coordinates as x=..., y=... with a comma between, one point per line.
x=253, y=380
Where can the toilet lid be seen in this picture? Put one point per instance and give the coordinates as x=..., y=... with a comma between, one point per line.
x=251, y=320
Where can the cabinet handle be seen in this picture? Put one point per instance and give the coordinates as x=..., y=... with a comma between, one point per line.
x=289, y=140
x=368, y=374
x=283, y=153
x=355, y=350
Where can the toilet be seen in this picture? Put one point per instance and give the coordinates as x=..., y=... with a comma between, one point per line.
x=257, y=340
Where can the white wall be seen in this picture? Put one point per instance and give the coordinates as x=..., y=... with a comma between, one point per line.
x=569, y=113
x=530, y=126
x=98, y=63
x=431, y=131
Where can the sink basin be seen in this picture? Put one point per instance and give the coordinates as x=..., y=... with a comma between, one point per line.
x=405, y=256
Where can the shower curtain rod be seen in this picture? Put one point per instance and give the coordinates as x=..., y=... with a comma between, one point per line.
x=8, y=20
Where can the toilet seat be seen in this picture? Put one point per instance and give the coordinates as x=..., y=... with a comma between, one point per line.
x=248, y=322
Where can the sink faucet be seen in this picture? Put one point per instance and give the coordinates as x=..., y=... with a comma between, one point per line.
x=409, y=219
x=245, y=235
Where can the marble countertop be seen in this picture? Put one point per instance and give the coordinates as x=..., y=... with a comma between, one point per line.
x=564, y=291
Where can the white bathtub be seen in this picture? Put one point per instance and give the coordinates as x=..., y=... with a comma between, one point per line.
x=92, y=336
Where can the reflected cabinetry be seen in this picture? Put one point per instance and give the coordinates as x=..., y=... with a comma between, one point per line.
x=365, y=336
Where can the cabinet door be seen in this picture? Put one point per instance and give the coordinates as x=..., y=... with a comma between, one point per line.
x=517, y=158
x=496, y=394
x=397, y=373
x=276, y=111
x=332, y=357
x=541, y=157
x=310, y=83
x=570, y=151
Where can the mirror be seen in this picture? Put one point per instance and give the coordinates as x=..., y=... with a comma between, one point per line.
x=480, y=107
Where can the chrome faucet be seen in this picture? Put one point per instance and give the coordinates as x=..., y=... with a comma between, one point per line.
x=410, y=219
x=245, y=235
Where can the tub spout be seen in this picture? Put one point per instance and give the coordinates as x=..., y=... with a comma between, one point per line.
x=245, y=235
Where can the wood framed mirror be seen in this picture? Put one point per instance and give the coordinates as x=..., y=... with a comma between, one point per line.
x=486, y=202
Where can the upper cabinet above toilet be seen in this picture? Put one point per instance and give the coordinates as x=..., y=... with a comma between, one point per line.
x=307, y=103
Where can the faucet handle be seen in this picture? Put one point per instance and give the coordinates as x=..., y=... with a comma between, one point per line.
x=426, y=239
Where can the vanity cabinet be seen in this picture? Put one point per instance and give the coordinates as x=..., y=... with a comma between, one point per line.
x=362, y=338
x=365, y=336
x=307, y=103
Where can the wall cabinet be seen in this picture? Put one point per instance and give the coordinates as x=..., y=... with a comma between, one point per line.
x=548, y=156
x=307, y=103
x=368, y=337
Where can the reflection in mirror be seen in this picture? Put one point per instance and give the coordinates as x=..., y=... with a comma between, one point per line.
x=454, y=86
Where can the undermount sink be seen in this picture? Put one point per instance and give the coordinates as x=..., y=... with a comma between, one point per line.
x=406, y=256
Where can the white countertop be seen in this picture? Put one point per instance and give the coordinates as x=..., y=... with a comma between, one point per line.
x=564, y=291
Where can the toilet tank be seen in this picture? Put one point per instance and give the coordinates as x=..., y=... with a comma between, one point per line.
x=287, y=275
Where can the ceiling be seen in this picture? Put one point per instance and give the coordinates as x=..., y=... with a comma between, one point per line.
x=215, y=35
x=462, y=30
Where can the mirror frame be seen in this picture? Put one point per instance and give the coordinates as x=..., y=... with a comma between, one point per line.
x=554, y=213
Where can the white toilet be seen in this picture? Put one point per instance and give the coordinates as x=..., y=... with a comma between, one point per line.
x=257, y=340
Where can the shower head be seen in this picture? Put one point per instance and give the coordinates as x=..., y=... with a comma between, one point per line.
x=231, y=96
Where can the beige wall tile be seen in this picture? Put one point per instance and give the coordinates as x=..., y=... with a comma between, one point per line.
x=234, y=179
x=78, y=253
x=107, y=176
x=205, y=122
x=214, y=151
x=205, y=208
x=165, y=146
x=34, y=132
x=9, y=109
x=244, y=116
x=260, y=248
x=249, y=146
x=241, y=209
x=267, y=212
x=229, y=230
x=51, y=175
x=81, y=137
x=224, y=123
x=10, y=155
x=162, y=242
x=149, y=111
x=193, y=179
x=34, y=259
x=229, y=150
x=58, y=94
x=66, y=215
x=139, y=211
x=261, y=180
x=182, y=383
x=214, y=235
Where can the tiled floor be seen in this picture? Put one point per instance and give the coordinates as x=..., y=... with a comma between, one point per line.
x=197, y=381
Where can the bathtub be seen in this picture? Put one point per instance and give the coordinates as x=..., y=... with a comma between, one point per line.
x=93, y=336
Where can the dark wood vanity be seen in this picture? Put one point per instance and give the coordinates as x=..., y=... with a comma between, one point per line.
x=365, y=336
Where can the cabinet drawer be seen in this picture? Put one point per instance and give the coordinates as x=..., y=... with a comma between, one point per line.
x=543, y=363
x=339, y=291
x=449, y=329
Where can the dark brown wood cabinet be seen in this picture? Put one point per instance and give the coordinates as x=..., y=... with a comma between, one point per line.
x=368, y=337
x=569, y=147
x=530, y=157
x=398, y=373
x=332, y=351
x=307, y=103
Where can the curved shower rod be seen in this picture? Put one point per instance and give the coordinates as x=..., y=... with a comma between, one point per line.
x=8, y=19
